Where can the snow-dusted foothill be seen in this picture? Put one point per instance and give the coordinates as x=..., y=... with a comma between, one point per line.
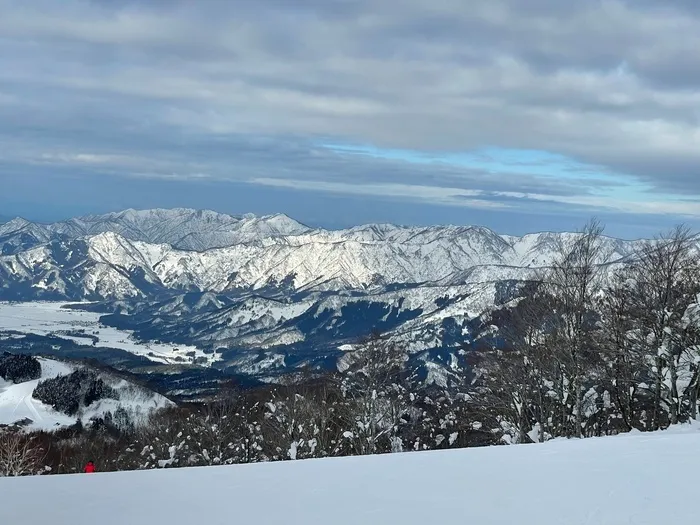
x=19, y=403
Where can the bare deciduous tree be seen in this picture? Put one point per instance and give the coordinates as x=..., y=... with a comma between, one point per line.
x=666, y=281
x=572, y=283
x=306, y=421
x=19, y=455
x=624, y=368
x=374, y=385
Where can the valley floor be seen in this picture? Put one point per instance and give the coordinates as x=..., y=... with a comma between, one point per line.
x=51, y=318
x=639, y=479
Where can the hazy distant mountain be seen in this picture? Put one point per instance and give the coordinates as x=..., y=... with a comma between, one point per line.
x=63, y=261
x=182, y=228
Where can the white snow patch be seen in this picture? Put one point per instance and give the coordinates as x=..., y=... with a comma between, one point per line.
x=50, y=318
x=604, y=481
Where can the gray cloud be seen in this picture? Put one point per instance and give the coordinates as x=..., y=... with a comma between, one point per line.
x=247, y=90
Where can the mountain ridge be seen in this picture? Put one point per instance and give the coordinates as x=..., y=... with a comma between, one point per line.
x=73, y=224
x=185, y=228
x=116, y=264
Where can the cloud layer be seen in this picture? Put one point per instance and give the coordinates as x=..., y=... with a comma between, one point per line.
x=535, y=106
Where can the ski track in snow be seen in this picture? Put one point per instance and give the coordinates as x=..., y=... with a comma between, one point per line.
x=17, y=403
x=640, y=479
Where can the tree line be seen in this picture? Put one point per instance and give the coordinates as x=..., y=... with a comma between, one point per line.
x=597, y=347
x=372, y=407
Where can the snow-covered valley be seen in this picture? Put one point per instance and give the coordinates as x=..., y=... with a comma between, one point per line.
x=640, y=479
x=84, y=328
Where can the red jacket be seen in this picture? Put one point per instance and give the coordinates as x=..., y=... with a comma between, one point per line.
x=89, y=468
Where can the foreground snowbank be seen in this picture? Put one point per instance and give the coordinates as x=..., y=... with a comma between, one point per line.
x=639, y=478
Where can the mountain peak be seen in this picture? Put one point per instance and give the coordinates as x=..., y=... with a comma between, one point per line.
x=16, y=223
x=20, y=234
x=182, y=228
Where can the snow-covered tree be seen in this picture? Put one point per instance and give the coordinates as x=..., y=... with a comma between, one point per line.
x=306, y=421
x=225, y=432
x=660, y=287
x=376, y=393
x=572, y=284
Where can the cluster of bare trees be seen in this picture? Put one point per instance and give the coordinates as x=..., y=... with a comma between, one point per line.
x=598, y=346
x=20, y=454
x=372, y=407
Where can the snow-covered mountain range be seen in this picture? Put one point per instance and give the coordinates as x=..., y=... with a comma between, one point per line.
x=148, y=253
x=263, y=295
x=182, y=228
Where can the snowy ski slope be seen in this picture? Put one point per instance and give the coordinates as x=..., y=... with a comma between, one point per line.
x=17, y=402
x=639, y=479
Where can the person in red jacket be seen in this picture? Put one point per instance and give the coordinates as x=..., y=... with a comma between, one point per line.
x=89, y=468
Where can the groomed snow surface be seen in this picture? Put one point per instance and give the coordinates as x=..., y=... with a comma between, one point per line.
x=639, y=479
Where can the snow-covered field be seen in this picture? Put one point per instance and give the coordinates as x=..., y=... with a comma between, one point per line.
x=17, y=402
x=49, y=318
x=639, y=479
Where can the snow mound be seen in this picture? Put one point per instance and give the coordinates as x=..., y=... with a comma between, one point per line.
x=17, y=402
x=605, y=481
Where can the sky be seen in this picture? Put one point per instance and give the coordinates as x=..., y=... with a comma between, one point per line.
x=520, y=115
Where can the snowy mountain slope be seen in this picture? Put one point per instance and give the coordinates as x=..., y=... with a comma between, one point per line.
x=19, y=235
x=17, y=402
x=109, y=266
x=263, y=337
x=602, y=481
x=185, y=229
x=256, y=321
x=106, y=265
